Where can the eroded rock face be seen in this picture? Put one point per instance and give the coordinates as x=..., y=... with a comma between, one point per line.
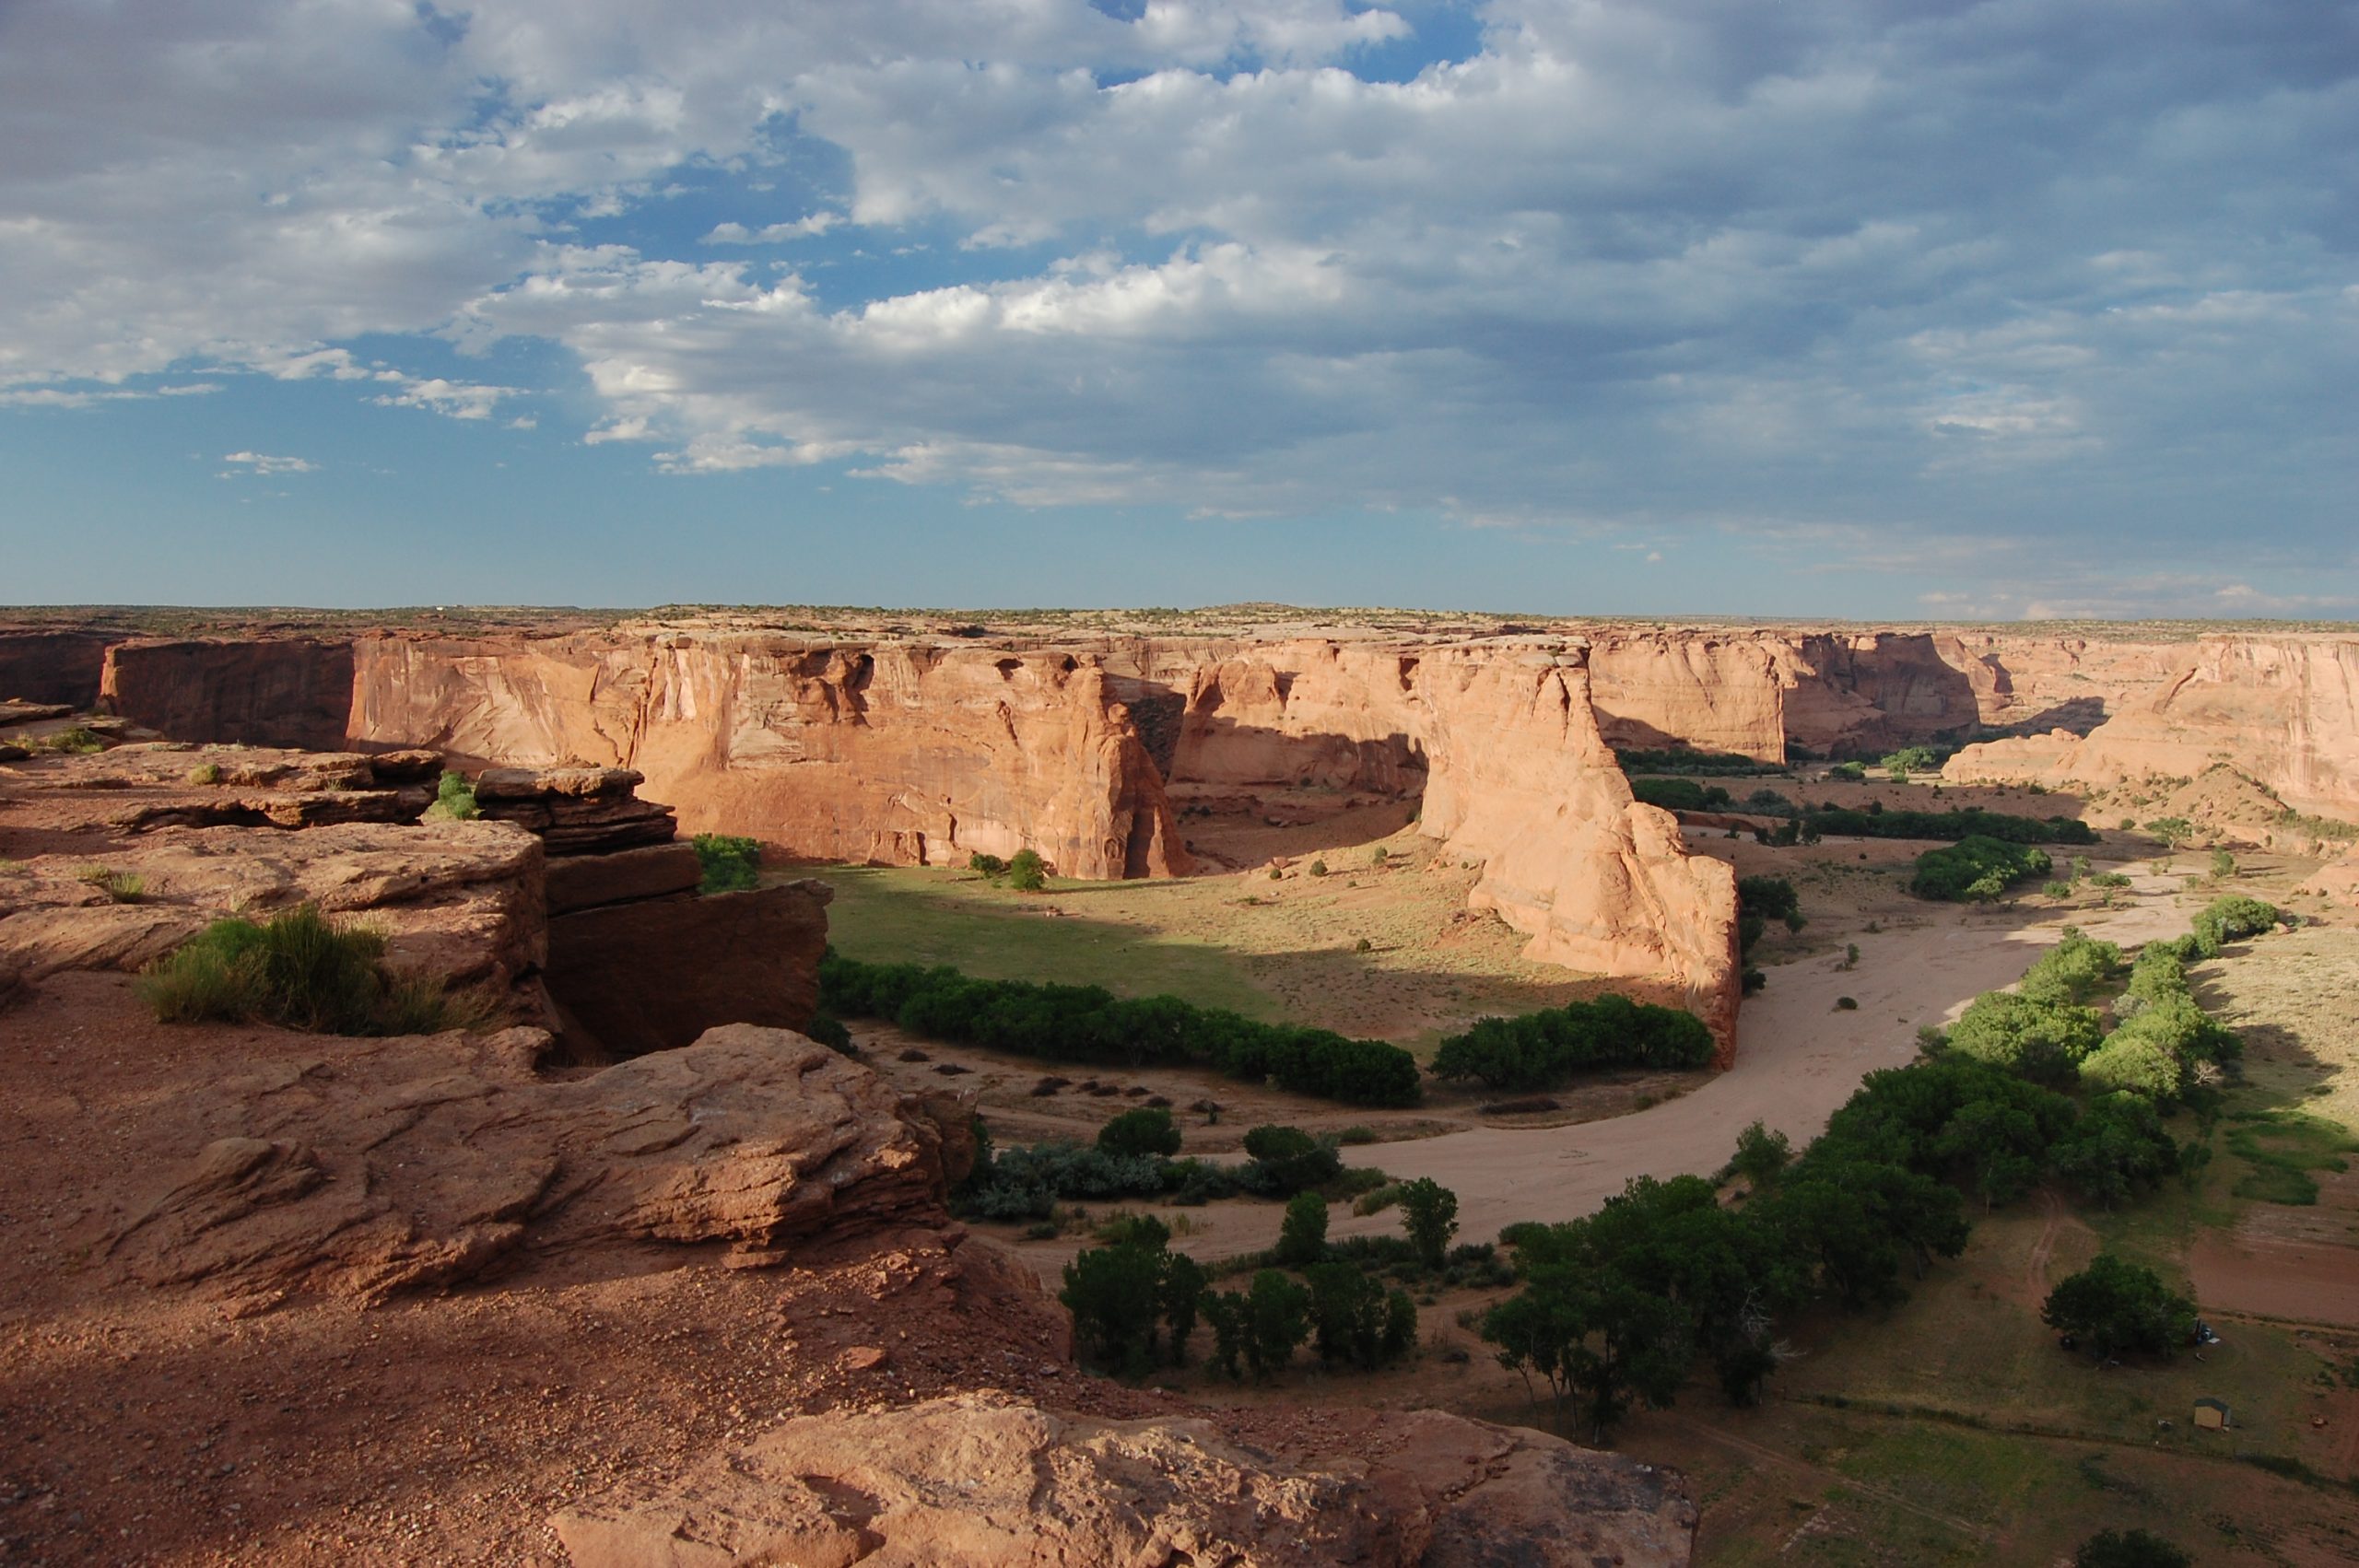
x=1690, y=689
x=984, y=1480
x=385, y=1164
x=901, y=753
x=2283, y=709
x=280, y=692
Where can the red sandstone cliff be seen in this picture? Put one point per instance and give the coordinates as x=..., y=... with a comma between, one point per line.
x=294, y=692
x=903, y=753
x=2283, y=709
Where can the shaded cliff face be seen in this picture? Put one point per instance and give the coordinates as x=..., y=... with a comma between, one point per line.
x=285, y=692
x=1848, y=693
x=2282, y=710
x=899, y=752
x=52, y=665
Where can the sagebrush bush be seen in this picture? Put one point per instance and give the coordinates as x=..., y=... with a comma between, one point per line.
x=301, y=971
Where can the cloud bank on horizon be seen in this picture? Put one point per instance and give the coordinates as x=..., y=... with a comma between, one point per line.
x=2020, y=307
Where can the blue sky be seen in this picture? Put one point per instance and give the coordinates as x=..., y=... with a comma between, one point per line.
x=1927, y=308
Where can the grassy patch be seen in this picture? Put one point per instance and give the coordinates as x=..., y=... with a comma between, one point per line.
x=301, y=971
x=895, y=916
x=2283, y=1148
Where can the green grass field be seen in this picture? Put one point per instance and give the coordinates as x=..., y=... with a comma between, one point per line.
x=897, y=916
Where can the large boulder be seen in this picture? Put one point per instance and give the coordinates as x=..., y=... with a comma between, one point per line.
x=983, y=1480
x=386, y=1164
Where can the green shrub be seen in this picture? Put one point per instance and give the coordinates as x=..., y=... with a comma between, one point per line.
x=204, y=773
x=1318, y=867
x=828, y=1030
x=731, y=865
x=990, y=866
x=1847, y=1004
x=1873, y=821
x=2045, y=1040
x=1149, y=1129
x=79, y=740
x=299, y=971
x=454, y=800
x=1026, y=873
x=2232, y=919
x=2130, y=1548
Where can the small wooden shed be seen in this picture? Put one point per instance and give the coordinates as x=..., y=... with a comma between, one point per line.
x=2212, y=1415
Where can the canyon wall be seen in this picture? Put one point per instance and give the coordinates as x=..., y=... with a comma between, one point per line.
x=293, y=692
x=2283, y=709
x=1700, y=690
x=53, y=664
x=901, y=753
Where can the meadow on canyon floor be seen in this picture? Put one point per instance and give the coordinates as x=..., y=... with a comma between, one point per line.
x=1951, y=1429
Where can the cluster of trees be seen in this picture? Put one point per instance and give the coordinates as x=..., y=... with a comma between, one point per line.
x=1133, y=1159
x=1620, y=1306
x=1682, y=760
x=1090, y=1023
x=1807, y=823
x=1135, y=1302
x=1542, y=1050
x=2160, y=1041
x=1979, y=867
x=1680, y=794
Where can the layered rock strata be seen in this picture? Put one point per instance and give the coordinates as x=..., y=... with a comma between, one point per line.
x=901, y=753
x=461, y=902
x=983, y=1480
x=2283, y=710
x=386, y=1165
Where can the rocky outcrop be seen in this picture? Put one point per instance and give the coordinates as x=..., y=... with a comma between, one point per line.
x=278, y=692
x=385, y=1165
x=576, y=811
x=901, y=753
x=459, y=901
x=655, y=973
x=984, y=1479
x=2283, y=710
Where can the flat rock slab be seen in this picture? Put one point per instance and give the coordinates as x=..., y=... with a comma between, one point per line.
x=984, y=1480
